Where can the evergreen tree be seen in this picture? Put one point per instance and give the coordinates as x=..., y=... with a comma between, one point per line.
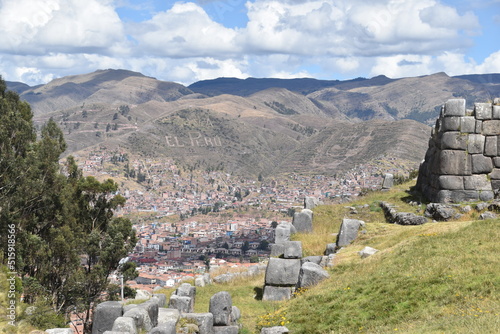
x=61, y=218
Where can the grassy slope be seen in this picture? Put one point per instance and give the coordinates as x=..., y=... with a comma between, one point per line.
x=435, y=278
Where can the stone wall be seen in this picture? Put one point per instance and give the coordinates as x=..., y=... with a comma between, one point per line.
x=462, y=162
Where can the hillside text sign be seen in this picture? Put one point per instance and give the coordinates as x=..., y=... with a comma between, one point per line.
x=193, y=139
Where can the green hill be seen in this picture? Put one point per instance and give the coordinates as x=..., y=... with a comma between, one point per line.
x=433, y=278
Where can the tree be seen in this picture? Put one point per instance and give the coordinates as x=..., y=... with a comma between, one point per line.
x=245, y=247
x=60, y=216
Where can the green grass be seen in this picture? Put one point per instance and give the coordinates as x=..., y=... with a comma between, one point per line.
x=433, y=278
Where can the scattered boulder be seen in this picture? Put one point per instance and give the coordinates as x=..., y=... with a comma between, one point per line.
x=167, y=315
x=142, y=294
x=440, y=212
x=311, y=202
x=221, y=308
x=311, y=274
x=204, y=322
x=105, y=315
x=182, y=303
x=409, y=218
x=199, y=281
x=303, y=221
x=348, y=231
x=124, y=324
x=141, y=318
x=388, y=182
x=165, y=328
x=235, y=315
x=226, y=329
x=487, y=215
x=275, y=330
x=367, y=251
x=331, y=248
x=162, y=299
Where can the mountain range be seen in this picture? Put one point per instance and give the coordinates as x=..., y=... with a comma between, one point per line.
x=253, y=126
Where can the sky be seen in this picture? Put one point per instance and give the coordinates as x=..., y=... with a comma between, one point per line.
x=188, y=41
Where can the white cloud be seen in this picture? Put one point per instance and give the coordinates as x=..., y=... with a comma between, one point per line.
x=283, y=38
x=72, y=26
x=185, y=30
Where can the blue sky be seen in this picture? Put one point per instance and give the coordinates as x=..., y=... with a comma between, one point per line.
x=187, y=41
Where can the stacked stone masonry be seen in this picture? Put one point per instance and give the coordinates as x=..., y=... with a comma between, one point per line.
x=462, y=162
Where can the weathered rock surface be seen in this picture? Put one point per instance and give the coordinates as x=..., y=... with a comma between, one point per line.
x=124, y=324
x=221, y=307
x=367, y=251
x=311, y=274
x=275, y=330
x=282, y=272
x=105, y=315
x=348, y=231
x=461, y=163
x=440, y=212
x=302, y=221
x=277, y=293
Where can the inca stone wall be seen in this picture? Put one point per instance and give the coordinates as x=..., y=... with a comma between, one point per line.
x=462, y=162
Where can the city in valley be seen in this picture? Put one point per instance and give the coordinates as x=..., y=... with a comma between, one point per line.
x=190, y=218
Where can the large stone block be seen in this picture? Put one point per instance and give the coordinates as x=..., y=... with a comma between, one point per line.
x=277, y=293
x=454, y=107
x=454, y=140
x=167, y=315
x=481, y=164
x=457, y=196
x=486, y=195
x=282, y=272
x=283, y=232
x=205, y=321
x=165, y=328
x=186, y=289
x=277, y=250
x=450, y=124
x=388, y=181
x=454, y=163
x=491, y=128
x=162, y=299
x=483, y=111
x=311, y=274
x=303, y=221
x=141, y=318
x=496, y=112
x=181, y=303
x=124, y=324
x=221, y=306
x=226, y=329
x=311, y=202
x=348, y=231
x=476, y=144
x=292, y=250
x=479, y=126
x=495, y=174
x=314, y=259
x=451, y=182
x=151, y=306
x=491, y=146
x=467, y=124
x=235, y=315
x=105, y=315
